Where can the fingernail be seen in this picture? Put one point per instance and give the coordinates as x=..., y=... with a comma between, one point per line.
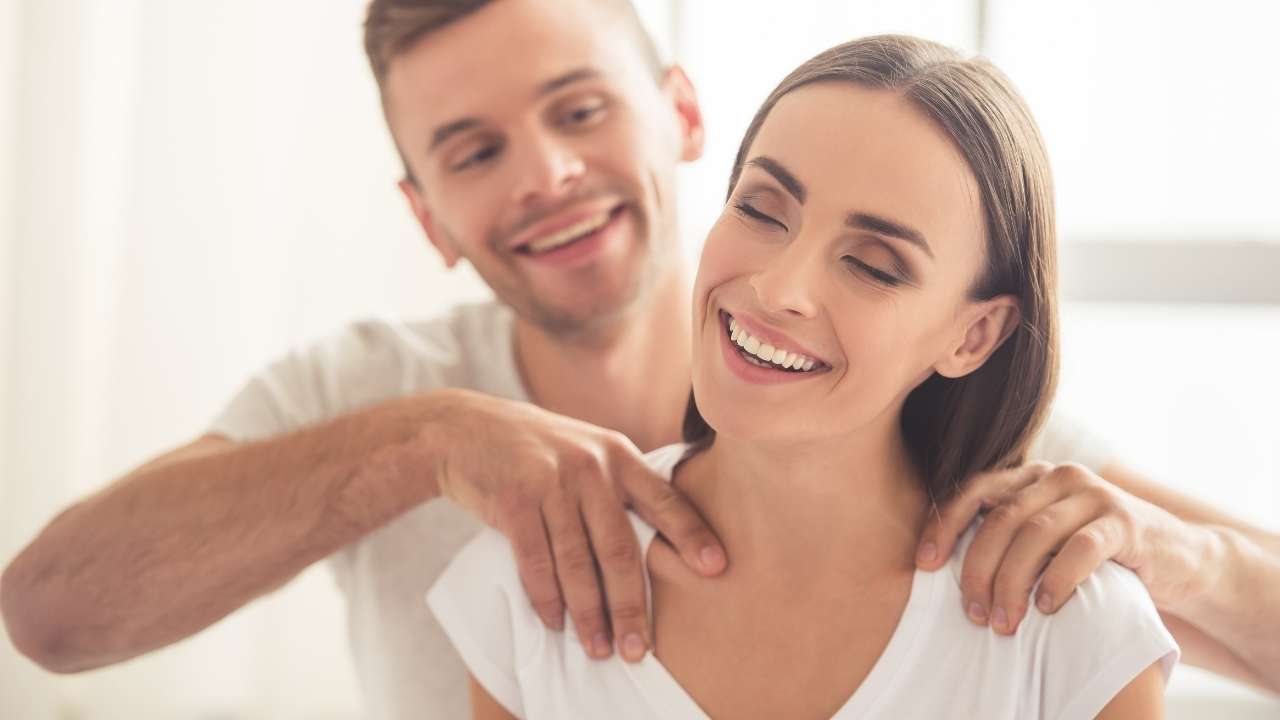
x=633, y=647
x=712, y=558
x=1044, y=602
x=1000, y=619
x=600, y=646
x=978, y=613
x=928, y=552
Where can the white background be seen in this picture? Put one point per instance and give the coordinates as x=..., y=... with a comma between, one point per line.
x=188, y=188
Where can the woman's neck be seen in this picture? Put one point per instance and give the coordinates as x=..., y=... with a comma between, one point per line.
x=853, y=505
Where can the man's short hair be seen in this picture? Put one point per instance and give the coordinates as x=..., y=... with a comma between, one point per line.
x=392, y=27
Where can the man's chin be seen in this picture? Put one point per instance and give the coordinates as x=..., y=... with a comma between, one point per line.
x=587, y=314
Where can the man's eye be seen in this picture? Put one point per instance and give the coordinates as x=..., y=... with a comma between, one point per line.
x=584, y=115
x=748, y=210
x=482, y=154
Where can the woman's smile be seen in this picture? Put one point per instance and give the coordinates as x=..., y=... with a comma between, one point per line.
x=763, y=357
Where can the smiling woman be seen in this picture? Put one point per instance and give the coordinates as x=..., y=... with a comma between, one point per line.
x=874, y=320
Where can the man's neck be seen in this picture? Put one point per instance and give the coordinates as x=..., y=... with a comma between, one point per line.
x=632, y=376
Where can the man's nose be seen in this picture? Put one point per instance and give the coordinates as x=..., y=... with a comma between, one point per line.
x=548, y=168
x=788, y=284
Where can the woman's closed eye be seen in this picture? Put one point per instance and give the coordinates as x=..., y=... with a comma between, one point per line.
x=749, y=211
x=876, y=274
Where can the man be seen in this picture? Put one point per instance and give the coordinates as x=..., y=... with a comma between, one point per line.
x=540, y=141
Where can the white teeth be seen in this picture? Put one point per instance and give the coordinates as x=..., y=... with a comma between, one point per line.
x=767, y=352
x=565, y=236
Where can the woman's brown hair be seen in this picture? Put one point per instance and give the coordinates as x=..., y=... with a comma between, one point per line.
x=955, y=427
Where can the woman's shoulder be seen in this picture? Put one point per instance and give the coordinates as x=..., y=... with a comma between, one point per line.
x=1098, y=641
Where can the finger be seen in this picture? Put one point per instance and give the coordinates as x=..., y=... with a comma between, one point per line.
x=576, y=571
x=528, y=536
x=617, y=553
x=941, y=533
x=1042, y=535
x=1081, y=554
x=992, y=541
x=670, y=512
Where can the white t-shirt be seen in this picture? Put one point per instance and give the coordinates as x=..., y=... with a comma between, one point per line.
x=407, y=668
x=936, y=665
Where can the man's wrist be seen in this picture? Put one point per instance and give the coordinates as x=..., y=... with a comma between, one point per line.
x=1214, y=579
x=404, y=466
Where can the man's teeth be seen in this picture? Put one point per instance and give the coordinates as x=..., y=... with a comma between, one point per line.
x=569, y=234
x=782, y=358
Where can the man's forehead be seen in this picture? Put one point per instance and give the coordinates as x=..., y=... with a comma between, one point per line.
x=506, y=53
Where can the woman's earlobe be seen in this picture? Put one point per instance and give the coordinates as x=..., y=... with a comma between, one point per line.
x=991, y=325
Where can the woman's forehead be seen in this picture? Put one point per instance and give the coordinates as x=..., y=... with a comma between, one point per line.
x=872, y=150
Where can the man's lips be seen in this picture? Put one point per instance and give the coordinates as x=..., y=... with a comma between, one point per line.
x=585, y=218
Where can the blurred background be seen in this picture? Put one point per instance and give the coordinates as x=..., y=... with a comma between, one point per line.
x=189, y=188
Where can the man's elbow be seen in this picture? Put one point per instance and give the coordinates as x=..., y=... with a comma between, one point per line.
x=33, y=627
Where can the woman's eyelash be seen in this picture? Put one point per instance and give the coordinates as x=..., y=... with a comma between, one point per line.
x=744, y=207
x=876, y=273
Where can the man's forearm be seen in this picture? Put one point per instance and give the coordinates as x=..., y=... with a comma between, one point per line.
x=1239, y=605
x=175, y=546
x=1236, y=600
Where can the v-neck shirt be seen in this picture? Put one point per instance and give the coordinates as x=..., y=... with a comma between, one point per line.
x=936, y=663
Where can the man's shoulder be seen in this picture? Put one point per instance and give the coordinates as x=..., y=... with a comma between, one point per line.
x=470, y=328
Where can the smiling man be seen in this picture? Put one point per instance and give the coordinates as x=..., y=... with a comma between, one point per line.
x=541, y=140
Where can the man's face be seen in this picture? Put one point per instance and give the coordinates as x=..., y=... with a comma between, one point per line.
x=544, y=153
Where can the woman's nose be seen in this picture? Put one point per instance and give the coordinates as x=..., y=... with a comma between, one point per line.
x=787, y=285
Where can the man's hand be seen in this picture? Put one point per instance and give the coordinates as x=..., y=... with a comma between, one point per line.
x=1063, y=521
x=557, y=487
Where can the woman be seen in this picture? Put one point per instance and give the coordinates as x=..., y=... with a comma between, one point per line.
x=874, y=320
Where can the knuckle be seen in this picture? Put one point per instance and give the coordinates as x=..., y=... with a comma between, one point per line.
x=589, y=618
x=620, y=554
x=576, y=560
x=1091, y=540
x=1006, y=513
x=547, y=606
x=1040, y=467
x=974, y=584
x=537, y=565
x=1011, y=590
x=626, y=613
x=1042, y=523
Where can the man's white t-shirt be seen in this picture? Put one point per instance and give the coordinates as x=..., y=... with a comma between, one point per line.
x=936, y=664
x=406, y=665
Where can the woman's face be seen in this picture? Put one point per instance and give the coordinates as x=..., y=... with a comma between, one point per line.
x=847, y=248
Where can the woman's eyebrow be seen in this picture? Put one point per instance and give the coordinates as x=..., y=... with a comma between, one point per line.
x=782, y=175
x=882, y=226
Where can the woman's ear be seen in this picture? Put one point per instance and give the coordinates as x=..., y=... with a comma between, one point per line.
x=984, y=327
x=438, y=240
x=679, y=90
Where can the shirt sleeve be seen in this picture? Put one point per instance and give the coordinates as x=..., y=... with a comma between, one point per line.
x=1064, y=439
x=1102, y=638
x=482, y=607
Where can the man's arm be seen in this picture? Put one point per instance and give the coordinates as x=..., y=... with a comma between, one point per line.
x=1217, y=575
x=190, y=537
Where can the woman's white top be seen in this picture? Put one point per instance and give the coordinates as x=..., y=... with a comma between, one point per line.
x=936, y=665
